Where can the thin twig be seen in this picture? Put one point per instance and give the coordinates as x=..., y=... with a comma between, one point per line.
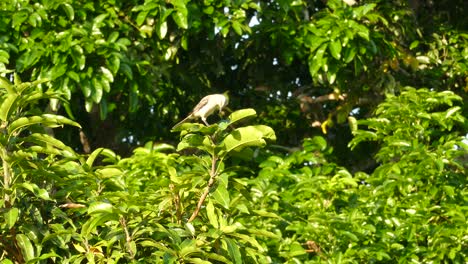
x=128, y=238
x=213, y=174
x=6, y=181
x=176, y=201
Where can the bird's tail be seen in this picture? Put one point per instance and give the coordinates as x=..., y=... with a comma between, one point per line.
x=181, y=122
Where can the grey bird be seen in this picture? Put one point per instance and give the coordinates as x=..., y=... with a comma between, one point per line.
x=206, y=107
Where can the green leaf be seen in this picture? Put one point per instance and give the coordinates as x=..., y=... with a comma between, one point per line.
x=400, y=143
x=100, y=207
x=188, y=247
x=195, y=141
x=113, y=63
x=349, y=54
x=4, y=83
x=180, y=17
x=221, y=196
x=89, y=105
x=141, y=18
x=74, y=76
x=4, y=56
x=233, y=251
x=162, y=29
x=107, y=74
x=350, y=235
x=264, y=233
x=53, y=256
x=352, y=124
x=58, y=71
x=242, y=114
x=97, y=21
x=95, y=221
x=100, y=151
x=48, y=120
x=44, y=138
x=198, y=260
x=246, y=137
x=105, y=86
x=316, y=60
x=363, y=10
x=236, y=25
x=335, y=48
x=38, y=192
x=19, y=17
x=97, y=91
x=11, y=217
x=77, y=54
x=208, y=10
x=266, y=214
x=113, y=37
x=43, y=150
x=212, y=217
x=35, y=19
x=451, y=111
x=248, y=239
x=86, y=88
x=109, y=172
x=133, y=98
x=7, y=106
x=295, y=249
x=103, y=109
x=26, y=246
x=316, y=143
x=69, y=11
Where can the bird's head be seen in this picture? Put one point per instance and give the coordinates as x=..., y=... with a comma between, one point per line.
x=226, y=95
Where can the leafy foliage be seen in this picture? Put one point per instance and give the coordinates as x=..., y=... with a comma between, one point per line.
x=422, y=178
x=158, y=205
x=322, y=75
x=32, y=161
x=121, y=64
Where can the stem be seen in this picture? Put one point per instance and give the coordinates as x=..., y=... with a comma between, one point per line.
x=128, y=238
x=6, y=179
x=213, y=174
x=176, y=201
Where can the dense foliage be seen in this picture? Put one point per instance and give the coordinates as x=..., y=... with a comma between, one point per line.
x=328, y=153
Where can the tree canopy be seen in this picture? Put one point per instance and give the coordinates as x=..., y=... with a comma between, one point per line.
x=345, y=140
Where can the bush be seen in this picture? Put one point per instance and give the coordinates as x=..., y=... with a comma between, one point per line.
x=214, y=205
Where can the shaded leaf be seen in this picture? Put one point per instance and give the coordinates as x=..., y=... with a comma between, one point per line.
x=233, y=250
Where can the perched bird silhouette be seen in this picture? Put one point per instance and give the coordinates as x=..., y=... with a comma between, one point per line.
x=207, y=106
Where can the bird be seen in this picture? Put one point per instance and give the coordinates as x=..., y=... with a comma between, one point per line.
x=207, y=106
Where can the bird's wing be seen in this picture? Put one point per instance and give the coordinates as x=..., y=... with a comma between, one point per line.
x=201, y=104
x=196, y=109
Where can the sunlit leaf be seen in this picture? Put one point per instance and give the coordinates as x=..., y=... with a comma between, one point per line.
x=212, y=217
x=100, y=207
x=335, y=48
x=246, y=137
x=11, y=217
x=26, y=247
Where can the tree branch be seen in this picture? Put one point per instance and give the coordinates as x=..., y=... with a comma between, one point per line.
x=213, y=174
